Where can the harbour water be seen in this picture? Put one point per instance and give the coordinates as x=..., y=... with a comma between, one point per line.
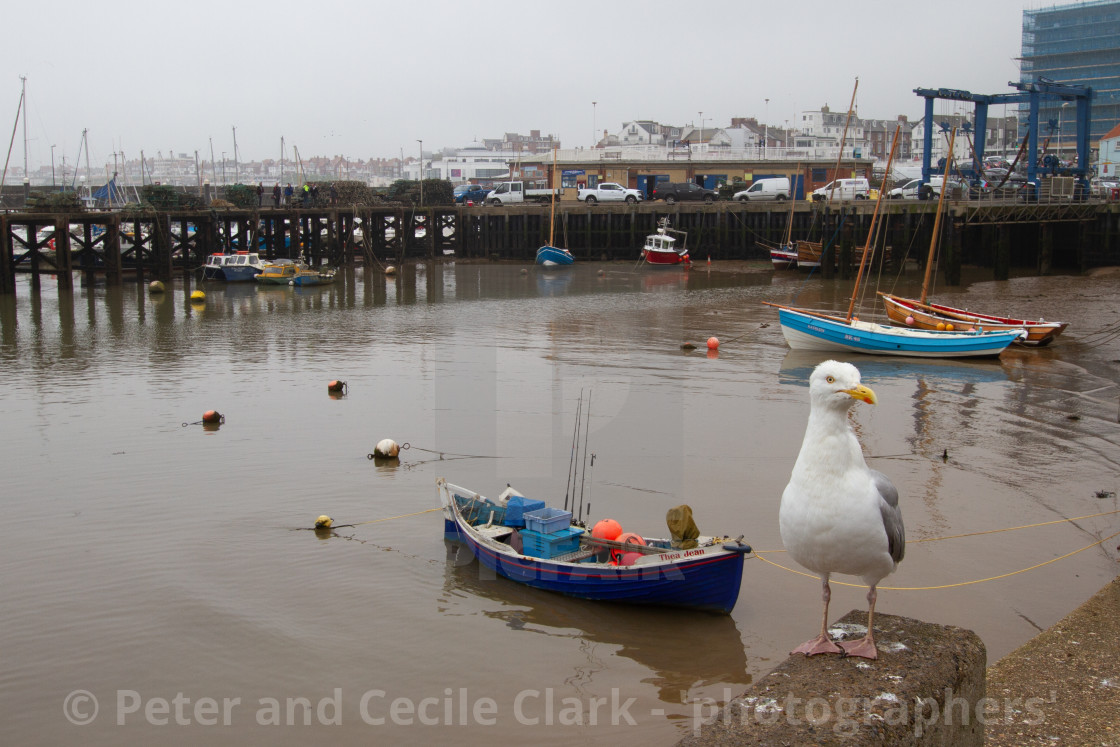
x=161, y=584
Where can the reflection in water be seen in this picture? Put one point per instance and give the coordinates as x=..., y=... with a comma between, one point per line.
x=684, y=649
x=163, y=561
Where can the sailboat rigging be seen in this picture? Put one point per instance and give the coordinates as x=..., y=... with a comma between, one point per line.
x=919, y=313
x=805, y=329
x=551, y=255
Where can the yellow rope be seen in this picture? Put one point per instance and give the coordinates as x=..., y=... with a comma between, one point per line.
x=945, y=586
x=997, y=531
x=402, y=516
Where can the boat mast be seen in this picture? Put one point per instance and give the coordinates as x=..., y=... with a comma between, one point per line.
x=843, y=138
x=15, y=126
x=871, y=229
x=23, y=99
x=551, y=183
x=937, y=217
x=792, y=203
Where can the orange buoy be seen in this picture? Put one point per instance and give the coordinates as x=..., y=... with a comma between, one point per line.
x=212, y=416
x=607, y=529
x=336, y=386
x=713, y=343
x=630, y=538
x=949, y=326
x=629, y=558
x=941, y=326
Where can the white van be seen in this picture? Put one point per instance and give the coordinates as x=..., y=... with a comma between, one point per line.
x=844, y=189
x=770, y=188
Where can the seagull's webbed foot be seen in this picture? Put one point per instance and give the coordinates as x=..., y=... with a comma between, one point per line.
x=863, y=647
x=822, y=644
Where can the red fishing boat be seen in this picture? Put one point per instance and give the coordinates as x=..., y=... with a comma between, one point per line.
x=662, y=248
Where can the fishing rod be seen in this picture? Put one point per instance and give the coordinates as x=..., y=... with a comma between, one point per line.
x=583, y=479
x=568, y=489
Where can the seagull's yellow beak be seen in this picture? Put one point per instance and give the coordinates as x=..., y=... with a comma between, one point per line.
x=863, y=394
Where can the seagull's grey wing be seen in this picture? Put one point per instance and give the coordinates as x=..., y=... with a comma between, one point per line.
x=892, y=514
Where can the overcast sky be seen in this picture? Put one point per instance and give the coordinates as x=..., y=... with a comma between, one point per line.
x=368, y=79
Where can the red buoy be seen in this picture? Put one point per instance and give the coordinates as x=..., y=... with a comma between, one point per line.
x=336, y=386
x=713, y=343
x=212, y=416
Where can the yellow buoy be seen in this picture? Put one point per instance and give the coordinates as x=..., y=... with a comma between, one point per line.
x=155, y=287
x=324, y=522
x=198, y=296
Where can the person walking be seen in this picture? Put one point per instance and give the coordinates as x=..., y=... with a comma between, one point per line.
x=260, y=194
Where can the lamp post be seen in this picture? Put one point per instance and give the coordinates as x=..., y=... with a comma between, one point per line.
x=1061, y=134
x=594, y=124
x=700, y=116
x=52, y=166
x=223, y=167
x=421, y=172
x=766, y=129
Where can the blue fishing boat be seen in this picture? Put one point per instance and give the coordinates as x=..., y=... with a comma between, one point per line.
x=571, y=561
x=810, y=330
x=551, y=256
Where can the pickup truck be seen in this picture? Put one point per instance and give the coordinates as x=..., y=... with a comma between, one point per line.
x=609, y=192
x=509, y=193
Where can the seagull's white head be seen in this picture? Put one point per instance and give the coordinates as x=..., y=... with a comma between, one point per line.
x=835, y=385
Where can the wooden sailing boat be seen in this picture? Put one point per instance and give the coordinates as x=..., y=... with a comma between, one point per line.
x=805, y=329
x=784, y=255
x=550, y=255
x=920, y=314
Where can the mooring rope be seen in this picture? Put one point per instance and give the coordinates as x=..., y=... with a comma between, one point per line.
x=945, y=586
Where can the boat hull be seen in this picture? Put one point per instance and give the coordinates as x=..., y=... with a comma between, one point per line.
x=913, y=313
x=706, y=578
x=821, y=333
x=784, y=259
x=551, y=256
x=665, y=259
x=312, y=278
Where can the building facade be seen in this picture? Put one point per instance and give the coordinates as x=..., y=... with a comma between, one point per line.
x=1077, y=44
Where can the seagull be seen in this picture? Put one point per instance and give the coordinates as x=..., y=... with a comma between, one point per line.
x=837, y=514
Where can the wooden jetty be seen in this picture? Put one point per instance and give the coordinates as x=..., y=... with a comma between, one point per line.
x=1066, y=236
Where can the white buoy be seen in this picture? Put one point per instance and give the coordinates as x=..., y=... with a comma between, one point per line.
x=386, y=448
x=155, y=287
x=390, y=270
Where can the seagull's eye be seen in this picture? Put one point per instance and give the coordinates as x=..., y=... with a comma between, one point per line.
x=831, y=379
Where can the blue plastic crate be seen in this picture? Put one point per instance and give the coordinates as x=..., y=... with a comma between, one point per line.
x=538, y=545
x=547, y=520
x=516, y=508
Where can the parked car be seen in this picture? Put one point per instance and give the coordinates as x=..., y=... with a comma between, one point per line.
x=913, y=189
x=1103, y=186
x=609, y=192
x=844, y=189
x=674, y=191
x=475, y=193
x=770, y=188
